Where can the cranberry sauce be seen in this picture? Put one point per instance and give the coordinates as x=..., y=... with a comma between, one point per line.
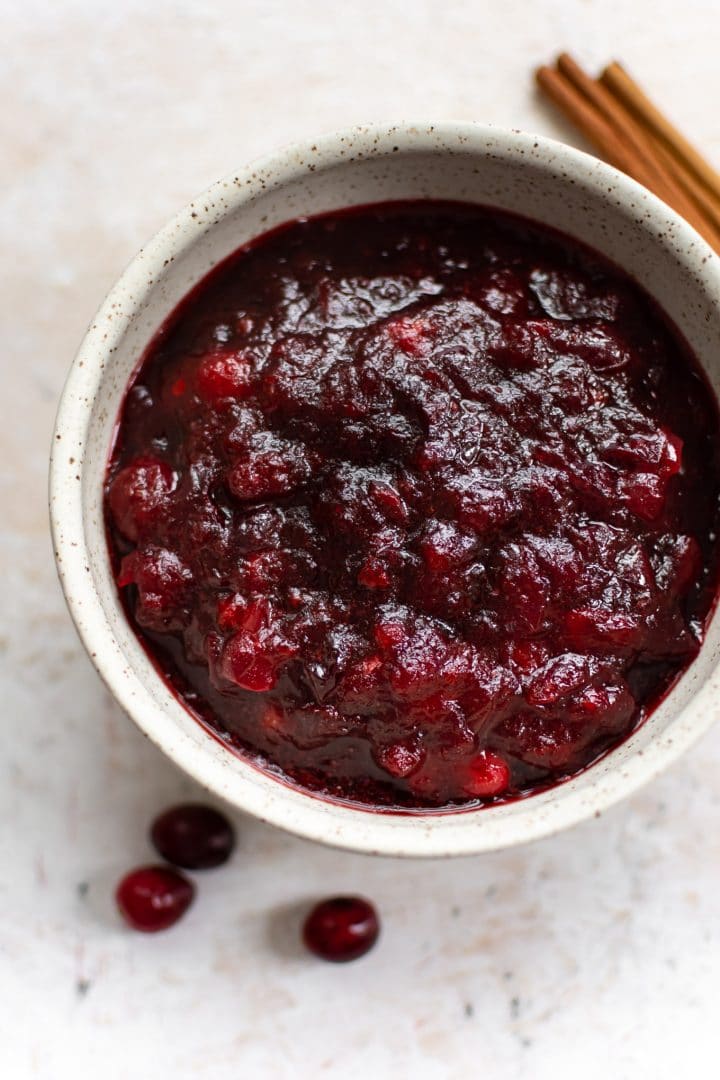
x=416, y=504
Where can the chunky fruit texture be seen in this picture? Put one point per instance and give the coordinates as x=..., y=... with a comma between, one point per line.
x=417, y=504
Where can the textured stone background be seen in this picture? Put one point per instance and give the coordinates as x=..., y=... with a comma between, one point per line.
x=593, y=954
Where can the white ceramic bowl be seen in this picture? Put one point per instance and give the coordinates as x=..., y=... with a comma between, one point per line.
x=533, y=176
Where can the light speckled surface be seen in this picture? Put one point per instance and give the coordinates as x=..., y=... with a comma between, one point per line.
x=594, y=953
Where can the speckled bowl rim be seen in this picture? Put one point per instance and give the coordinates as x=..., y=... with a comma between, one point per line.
x=350, y=827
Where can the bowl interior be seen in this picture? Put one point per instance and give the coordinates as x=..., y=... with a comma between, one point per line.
x=530, y=176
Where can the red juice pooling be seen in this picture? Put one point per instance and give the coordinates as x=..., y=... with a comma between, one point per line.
x=417, y=504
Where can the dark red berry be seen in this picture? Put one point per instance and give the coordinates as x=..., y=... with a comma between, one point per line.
x=487, y=775
x=343, y=928
x=153, y=898
x=193, y=836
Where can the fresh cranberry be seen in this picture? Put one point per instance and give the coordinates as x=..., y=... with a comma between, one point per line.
x=153, y=898
x=193, y=836
x=343, y=928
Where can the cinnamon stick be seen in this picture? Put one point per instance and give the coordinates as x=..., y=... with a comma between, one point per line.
x=623, y=137
x=646, y=165
x=597, y=130
x=696, y=191
x=616, y=79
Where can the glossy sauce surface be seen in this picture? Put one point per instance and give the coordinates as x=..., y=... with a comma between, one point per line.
x=417, y=504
